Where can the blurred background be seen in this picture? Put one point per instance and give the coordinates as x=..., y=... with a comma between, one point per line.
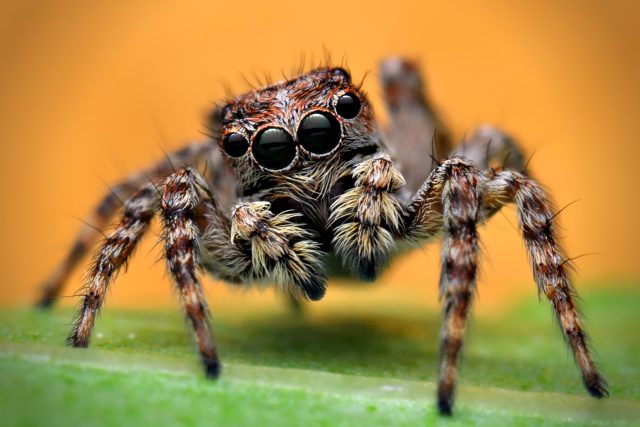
x=91, y=91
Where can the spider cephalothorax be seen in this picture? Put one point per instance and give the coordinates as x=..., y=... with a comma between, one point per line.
x=296, y=126
x=296, y=139
x=298, y=175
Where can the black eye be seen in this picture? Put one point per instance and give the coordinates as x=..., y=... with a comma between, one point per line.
x=235, y=144
x=319, y=132
x=274, y=148
x=348, y=106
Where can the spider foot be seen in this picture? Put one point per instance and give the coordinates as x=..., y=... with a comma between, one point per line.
x=212, y=367
x=596, y=385
x=445, y=401
x=44, y=303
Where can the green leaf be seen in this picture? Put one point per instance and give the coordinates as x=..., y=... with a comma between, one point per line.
x=372, y=367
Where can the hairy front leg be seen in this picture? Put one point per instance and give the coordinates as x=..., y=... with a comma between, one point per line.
x=449, y=202
x=281, y=249
x=366, y=218
x=435, y=207
x=105, y=211
x=182, y=242
x=114, y=253
x=549, y=264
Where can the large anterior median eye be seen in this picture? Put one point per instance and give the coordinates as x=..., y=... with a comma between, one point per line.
x=235, y=144
x=274, y=148
x=319, y=132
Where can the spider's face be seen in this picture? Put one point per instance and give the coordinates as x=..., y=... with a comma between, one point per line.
x=296, y=124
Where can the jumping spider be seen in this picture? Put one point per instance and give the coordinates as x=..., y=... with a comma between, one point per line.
x=306, y=175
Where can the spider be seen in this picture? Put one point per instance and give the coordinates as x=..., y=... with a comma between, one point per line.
x=301, y=184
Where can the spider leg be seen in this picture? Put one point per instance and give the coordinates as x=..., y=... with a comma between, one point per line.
x=256, y=244
x=114, y=253
x=548, y=262
x=182, y=242
x=366, y=218
x=281, y=249
x=450, y=201
x=489, y=147
x=454, y=199
x=104, y=212
x=414, y=125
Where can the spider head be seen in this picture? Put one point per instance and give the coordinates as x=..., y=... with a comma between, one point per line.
x=296, y=124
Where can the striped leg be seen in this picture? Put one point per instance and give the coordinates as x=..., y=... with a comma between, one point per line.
x=450, y=201
x=182, y=241
x=550, y=266
x=115, y=251
x=104, y=212
x=454, y=199
x=460, y=208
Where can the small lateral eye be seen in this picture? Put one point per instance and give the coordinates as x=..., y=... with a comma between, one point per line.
x=235, y=145
x=348, y=105
x=319, y=132
x=274, y=148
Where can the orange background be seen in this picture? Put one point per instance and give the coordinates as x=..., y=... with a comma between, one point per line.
x=90, y=92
